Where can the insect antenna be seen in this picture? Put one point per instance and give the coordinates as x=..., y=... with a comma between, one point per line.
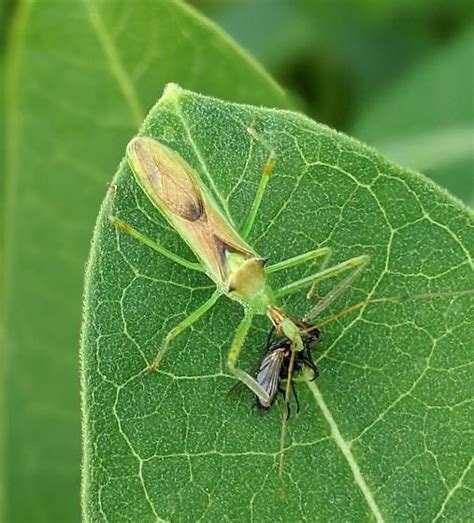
x=391, y=299
x=285, y=415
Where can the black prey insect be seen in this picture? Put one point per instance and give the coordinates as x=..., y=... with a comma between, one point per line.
x=275, y=365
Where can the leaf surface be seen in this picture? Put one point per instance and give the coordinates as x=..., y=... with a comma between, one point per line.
x=383, y=434
x=81, y=77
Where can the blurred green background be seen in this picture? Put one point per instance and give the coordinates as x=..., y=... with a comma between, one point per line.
x=396, y=74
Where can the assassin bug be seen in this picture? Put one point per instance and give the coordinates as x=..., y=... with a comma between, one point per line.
x=237, y=270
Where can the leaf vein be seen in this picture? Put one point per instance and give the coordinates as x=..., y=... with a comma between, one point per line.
x=345, y=448
x=116, y=66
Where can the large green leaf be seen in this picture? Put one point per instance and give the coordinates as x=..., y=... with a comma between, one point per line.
x=384, y=433
x=426, y=121
x=82, y=76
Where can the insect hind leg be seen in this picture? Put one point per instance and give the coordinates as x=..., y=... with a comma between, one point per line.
x=182, y=326
x=128, y=229
x=358, y=263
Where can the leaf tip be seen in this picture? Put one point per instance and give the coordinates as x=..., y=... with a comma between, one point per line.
x=171, y=93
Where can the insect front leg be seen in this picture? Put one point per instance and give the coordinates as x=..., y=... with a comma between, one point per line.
x=358, y=263
x=182, y=326
x=266, y=173
x=128, y=229
x=298, y=260
x=336, y=291
x=233, y=356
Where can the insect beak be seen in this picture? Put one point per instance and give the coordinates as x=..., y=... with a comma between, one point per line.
x=276, y=317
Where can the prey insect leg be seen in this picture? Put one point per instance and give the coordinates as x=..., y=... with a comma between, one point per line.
x=288, y=407
x=293, y=388
x=233, y=356
x=178, y=329
x=128, y=229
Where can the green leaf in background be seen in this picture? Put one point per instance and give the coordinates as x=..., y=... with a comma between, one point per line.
x=339, y=55
x=82, y=76
x=384, y=434
x=426, y=121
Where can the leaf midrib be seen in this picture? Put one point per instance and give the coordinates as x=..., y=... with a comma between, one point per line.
x=345, y=449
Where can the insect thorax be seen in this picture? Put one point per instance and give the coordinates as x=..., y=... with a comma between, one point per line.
x=247, y=282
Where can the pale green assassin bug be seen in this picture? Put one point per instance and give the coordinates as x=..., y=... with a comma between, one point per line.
x=176, y=190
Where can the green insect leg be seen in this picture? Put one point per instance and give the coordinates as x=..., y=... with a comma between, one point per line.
x=297, y=285
x=298, y=260
x=128, y=229
x=335, y=292
x=235, y=348
x=266, y=173
x=182, y=326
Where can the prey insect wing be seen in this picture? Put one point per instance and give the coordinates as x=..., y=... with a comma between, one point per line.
x=269, y=373
x=275, y=364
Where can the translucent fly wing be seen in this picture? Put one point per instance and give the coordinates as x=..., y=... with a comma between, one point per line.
x=268, y=375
